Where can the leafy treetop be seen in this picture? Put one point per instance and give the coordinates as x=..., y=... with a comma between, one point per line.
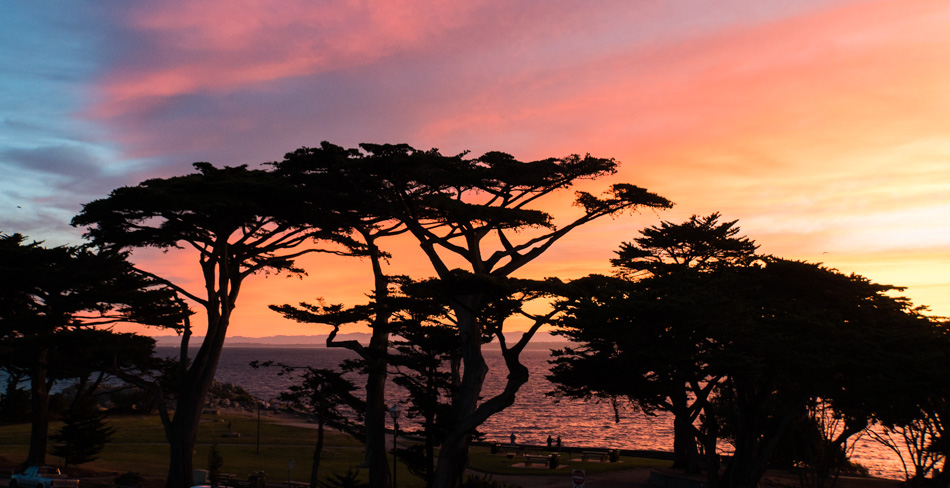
x=699, y=243
x=49, y=289
x=241, y=219
x=454, y=203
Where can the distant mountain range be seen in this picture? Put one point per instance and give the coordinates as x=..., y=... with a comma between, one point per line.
x=540, y=340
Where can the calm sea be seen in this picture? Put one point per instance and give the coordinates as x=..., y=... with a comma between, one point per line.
x=533, y=416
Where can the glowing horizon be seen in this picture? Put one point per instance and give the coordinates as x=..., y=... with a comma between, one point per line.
x=819, y=125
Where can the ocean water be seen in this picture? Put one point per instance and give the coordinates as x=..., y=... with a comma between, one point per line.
x=533, y=416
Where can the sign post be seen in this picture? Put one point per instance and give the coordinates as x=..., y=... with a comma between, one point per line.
x=577, y=478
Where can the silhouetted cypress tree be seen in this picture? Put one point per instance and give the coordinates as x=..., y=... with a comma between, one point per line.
x=215, y=461
x=83, y=435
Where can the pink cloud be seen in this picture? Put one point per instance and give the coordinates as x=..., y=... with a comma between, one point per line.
x=217, y=46
x=821, y=131
x=221, y=46
x=853, y=65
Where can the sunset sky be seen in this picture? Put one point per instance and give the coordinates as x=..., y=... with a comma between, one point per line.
x=823, y=126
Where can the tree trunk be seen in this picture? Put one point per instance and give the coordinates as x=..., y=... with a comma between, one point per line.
x=375, y=420
x=685, y=453
x=182, y=440
x=453, y=455
x=757, y=436
x=377, y=361
x=684, y=442
x=191, y=398
x=181, y=449
x=39, y=428
x=710, y=439
x=430, y=427
x=317, y=451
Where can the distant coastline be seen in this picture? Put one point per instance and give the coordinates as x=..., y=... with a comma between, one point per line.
x=541, y=340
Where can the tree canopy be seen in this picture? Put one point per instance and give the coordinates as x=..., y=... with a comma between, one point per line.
x=240, y=222
x=655, y=319
x=478, y=220
x=51, y=291
x=743, y=343
x=735, y=345
x=699, y=243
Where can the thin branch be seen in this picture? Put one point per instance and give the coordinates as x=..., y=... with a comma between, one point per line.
x=352, y=345
x=172, y=286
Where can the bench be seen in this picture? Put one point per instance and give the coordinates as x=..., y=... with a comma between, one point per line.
x=203, y=477
x=327, y=454
x=225, y=478
x=531, y=451
x=601, y=456
x=518, y=450
x=543, y=460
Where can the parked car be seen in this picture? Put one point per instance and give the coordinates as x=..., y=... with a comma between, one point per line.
x=42, y=477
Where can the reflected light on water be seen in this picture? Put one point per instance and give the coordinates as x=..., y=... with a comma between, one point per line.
x=532, y=418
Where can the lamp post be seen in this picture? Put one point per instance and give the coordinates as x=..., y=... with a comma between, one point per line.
x=394, y=413
x=259, y=405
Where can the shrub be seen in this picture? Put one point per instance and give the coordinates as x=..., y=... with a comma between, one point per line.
x=83, y=435
x=215, y=461
x=348, y=480
x=15, y=407
x=129, y=479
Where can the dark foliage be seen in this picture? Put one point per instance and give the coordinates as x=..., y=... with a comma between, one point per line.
x=348, y=480
x=215, y=462
x=240, y=222
x=83, y=435
x=50, y=297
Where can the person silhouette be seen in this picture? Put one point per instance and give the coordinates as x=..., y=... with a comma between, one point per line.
x=512, y=438
x=559, y=442
x=550, y=441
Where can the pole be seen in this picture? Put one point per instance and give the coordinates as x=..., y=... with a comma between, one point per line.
x=394, y=413
x=395, y=433
x=258, y=428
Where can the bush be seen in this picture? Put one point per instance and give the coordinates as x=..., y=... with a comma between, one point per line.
x=215, y=461
x=83, y=435
x=15, y=407
x=348, y=480
x=130, y=400
x=58, y=405
x=129, y=479
x=257, y=479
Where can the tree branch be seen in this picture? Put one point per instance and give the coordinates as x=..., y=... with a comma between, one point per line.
x=172, y=286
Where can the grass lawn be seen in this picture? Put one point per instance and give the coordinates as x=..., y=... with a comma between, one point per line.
x=139, y=445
